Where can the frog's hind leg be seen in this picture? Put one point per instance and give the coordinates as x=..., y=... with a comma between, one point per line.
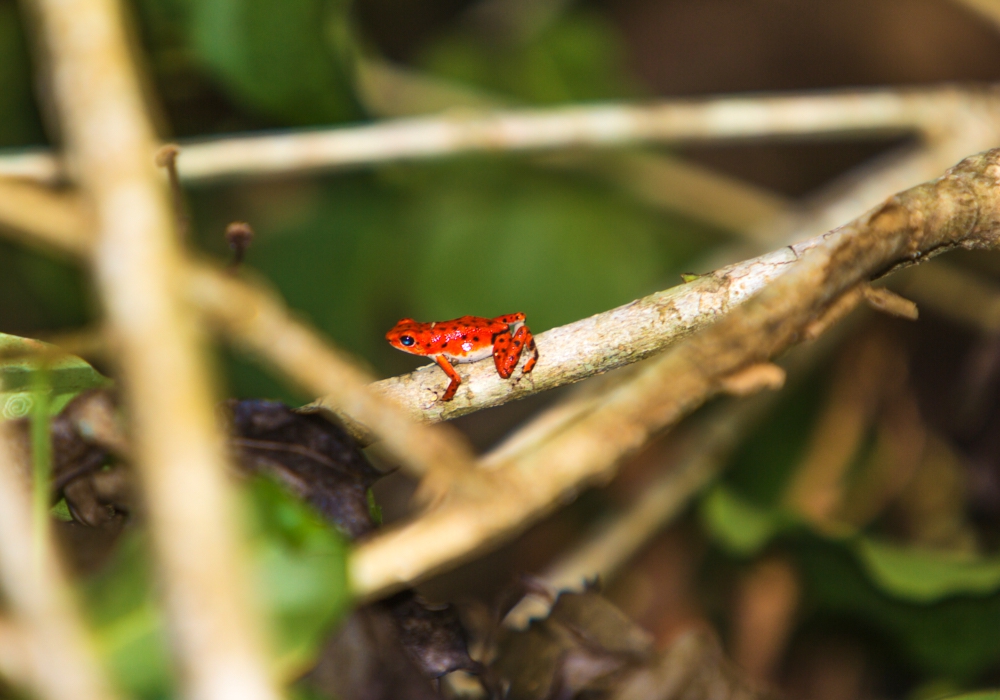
x=507, y=351
x=524, y=340
x=505, y=356
x=456, y=380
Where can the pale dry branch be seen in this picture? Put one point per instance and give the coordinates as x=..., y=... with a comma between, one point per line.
x=35, y=165
x=875, y=113
x=56, y=220
x=961, y=209
x=256, y=320
x=888, y=302
x=45, y=645
x=137, y=267
x=660, y=180
x=606, y=550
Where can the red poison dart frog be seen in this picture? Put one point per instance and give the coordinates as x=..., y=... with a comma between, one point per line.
x=467, y=339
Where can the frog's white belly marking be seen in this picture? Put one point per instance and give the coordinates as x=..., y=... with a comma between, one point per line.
x=476, y=356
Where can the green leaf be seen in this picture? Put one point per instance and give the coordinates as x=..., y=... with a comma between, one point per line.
x=288, y=59
x=738, y=525
x=977, y=695
x=926, y=575
x=22, y=358
x=373, y=507
x=129, y=626
x=299, y=566
x=955, y=637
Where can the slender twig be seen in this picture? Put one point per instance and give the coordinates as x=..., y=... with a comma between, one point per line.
x=961, y=209
x=53, y=655
x=136, y=262
x=875, y=113
x=612, y=544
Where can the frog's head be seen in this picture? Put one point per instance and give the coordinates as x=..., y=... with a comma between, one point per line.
x=406, y=336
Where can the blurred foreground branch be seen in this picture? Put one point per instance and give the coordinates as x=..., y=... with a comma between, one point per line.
x=45, y=631
x=137, y=264
x=961, y=209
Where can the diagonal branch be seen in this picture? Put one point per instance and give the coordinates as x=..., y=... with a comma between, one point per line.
x=961, y=209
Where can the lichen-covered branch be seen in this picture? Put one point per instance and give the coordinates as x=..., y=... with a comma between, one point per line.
x=137, y=267
x=834, y=114
x=961, y=209
x=44, y=645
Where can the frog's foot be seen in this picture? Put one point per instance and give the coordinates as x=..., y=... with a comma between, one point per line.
x=456, y=380
x=507, y=350
x=529, y=345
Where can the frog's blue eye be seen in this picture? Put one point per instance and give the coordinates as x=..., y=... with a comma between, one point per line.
x=407, y=340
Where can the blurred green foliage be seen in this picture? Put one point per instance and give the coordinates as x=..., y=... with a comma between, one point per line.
x=578, y=58
x=940, y=609
x=299, y=566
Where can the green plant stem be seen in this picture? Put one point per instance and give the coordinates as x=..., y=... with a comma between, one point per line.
x=41, y=460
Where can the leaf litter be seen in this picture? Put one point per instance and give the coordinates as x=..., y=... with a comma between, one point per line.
x=401, y=647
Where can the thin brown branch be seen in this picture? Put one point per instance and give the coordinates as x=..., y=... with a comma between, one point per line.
x=961, y=209
x=45, y=645
x=874, y=113
x=137, y=266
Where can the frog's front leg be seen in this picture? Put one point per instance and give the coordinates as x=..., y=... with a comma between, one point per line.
x=507, y=351
x=443, y=363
